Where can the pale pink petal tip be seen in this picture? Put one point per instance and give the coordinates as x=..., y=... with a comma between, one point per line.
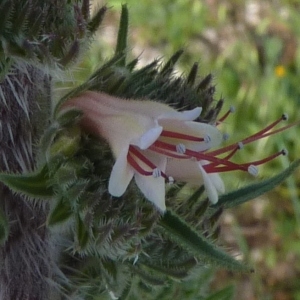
x=193, y=114
x=148, y=138
x=120, y=176
x=209, y=186
x=153, y=189
x=186, y=115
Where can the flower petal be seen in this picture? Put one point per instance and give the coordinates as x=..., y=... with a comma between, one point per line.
x=215, y=178
x=153, y=188
x=149, y=108
x=119, y=128
x=148, y=138
x=217, y=182
x=186, y=115
x=145, y=107
x=184, y=170
x=195, y=129
x=209, y=186
x=120, y=176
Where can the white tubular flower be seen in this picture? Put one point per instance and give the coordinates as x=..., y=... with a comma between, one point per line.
x=153, y=142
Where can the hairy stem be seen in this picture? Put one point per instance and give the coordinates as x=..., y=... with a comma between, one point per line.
x=26, y=258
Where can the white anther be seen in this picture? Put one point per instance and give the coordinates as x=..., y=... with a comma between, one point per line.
x=226, y=136
x=180, y=148
x=170, y=180
x=240, y=145
x=232, y=109
x=284, y=152
x=156, y=173
x=285, y=116
x=207, y=138
x=253, y=170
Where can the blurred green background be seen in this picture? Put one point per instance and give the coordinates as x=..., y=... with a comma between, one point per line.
x=251, y=48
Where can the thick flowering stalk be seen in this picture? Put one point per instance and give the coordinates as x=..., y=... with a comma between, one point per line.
x=156, y=144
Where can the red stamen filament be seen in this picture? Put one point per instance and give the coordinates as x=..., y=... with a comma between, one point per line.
x=280, y=129
x=215, y=164
x=259, y=135
x=181, y=136
x=232, y=152
x=231, y=110
x=198, y=155
x=136, y=166
x=213, y=168
x=266, y=159
x=167, y=153
x=268, y=128
x=212, y=165
x=143, y=159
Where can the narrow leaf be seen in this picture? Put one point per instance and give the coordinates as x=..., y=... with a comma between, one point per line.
x=82, y=233
x=71, y=54
x=192, y=75
x=125, y=292
x=95, y=22
x=34, y=184
x=61, y=212
x=148, y=277
x=176, y=273
x=179, y=231
x=192, y=201
x=122, y=36
x=5, y=11
x=255, y=190
x=131, y=65
x=69, y=117
x=205, y=82
x=225, y=294
x=169, y=66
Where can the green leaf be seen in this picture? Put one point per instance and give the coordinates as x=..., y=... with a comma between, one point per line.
x=71, y=54
x=95, y=22
x=5, y=11
x=179, y=231
x=192, y=201
x=225, y=294
x=169, y=66
x=4, y=227
x=122, y=36
x=175, y=273
x=69, y=117
x=125, y=292
x=82, y=233
x=148, y=277
x=93, y=82
x=61, y=212
x=33, y=184
x=192, y=75
x=131, y=65
x=255, y=190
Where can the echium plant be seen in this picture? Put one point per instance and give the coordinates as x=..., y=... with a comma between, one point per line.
x=73, y=223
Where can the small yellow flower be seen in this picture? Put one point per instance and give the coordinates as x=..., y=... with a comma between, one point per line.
x=154, y=143
x=280, y=71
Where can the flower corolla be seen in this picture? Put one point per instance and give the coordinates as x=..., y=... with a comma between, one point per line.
x=155, y=144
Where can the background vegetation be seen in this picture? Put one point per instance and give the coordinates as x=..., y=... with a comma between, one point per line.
x=251, y=47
